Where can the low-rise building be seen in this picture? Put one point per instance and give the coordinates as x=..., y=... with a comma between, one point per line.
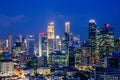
x=6, y=66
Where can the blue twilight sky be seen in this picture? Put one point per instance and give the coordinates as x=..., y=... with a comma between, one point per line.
x=32, y=16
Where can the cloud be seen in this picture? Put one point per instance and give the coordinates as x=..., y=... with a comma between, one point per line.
x=8, y=20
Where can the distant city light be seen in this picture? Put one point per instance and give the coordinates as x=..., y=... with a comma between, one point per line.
x=67, y=27
x=51, y=23
x=107, y=25
x=92, y=21
x=67, y=23
x=84, y=42
x=31, y=36
x=42, y=34
x=57, y=37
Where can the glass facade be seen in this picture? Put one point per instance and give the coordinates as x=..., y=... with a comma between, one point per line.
x=30, y=45
x=104, y=42
x=58, y=59
x=92, y=37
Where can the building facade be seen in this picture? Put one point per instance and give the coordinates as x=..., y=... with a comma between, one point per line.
x=105, y=42
x=30, y=45
x=6, y=67
x=92, y=37
x=43, y=48
x=50, y=38
x=58, y=43
x=58, y=59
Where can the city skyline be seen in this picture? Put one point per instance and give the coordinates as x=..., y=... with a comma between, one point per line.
x=37, y=34
x=16, y=17
x=59, y=40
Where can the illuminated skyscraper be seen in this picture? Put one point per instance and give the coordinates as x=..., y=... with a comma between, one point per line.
x=6, y=41
x=50, y=31
x=117, y=44
x=92, y=36
x=65, y=43
x=66, y=39
x=67, y=27
x=99, y=40
x=76, y=44
x=17, y=47
x=76, y=41
x=10, y=43
x=85, y=56
x=2, y=46
x=58, y=43
x=105, y=42
x=50, y=38
x=20, y=37
x=30, y=45
x=42, y=44
x=23, y=45
x=58, y=59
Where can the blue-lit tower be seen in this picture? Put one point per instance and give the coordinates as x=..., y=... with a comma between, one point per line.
x=30, y=45
x=42, y=44
x=105, y=42
x=92, y=37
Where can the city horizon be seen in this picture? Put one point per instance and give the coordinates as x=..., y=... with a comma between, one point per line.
x=17, y=17
x=59, y=40
x=2, y=36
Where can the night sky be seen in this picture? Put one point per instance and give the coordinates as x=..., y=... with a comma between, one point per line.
x=32, y=16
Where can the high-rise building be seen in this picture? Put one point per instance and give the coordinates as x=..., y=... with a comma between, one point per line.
x=71, y=56
x=30, y=45
x=105, y=42
x=58, y=59
x=24, y=45
x=117, y=44
x=67, y=27
x=43, y=44
x=17, y=48
x=20, y=37
x=32, y=62
x=99, y=39
x=6, y=66
x=83, y=57
x=36, y=48
x=10, y=43
x=77, y=46
x=65, y=42
x=92, y=36
x=74, y=49
x=111, y=62
x=58, y=43
x=50, y=31
x=43, y=48
x=50, y=38
x=2, y=46
x=116, y=54
x=6, y=43
x=85, y=54
x=66, y=45
x=76, y=41
x=6, y=46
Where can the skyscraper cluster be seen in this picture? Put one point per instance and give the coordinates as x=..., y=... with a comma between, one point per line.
x=100, y=44
x=101, y=41
x=54, y=51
